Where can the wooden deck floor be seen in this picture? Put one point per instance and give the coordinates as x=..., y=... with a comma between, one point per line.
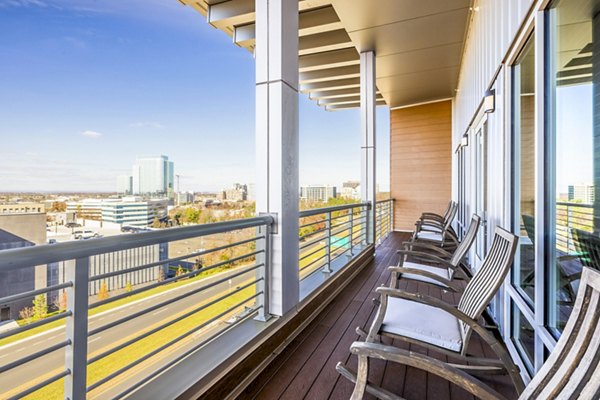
x=306, y=368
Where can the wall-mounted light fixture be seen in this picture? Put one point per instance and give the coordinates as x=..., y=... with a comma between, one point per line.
x=489, y=101
x=464, y=141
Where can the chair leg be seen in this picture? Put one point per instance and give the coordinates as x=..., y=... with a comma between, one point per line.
x=377, y=391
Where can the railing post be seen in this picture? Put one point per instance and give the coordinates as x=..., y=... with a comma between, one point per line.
x=77, y=329
x=392, y=216
x=351, y=231
x=263, y=272
x=327, y=268
x=368, y=225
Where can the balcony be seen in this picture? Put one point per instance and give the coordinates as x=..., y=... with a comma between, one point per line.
x=119, y=344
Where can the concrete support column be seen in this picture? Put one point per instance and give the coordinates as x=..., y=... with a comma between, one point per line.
x=277, y=150
x=368, y=104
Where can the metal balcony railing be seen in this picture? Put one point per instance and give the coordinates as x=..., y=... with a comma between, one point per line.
x=569, y=216
x=212, y=307
x=329, y=233
x=384, y=213
x=106, y=340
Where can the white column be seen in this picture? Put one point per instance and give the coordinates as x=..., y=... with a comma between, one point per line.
x=367, y=122
x=277, y=142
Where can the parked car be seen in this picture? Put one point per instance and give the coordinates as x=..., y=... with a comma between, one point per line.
x=85, y=234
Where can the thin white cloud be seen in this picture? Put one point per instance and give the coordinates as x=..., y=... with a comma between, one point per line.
x=151, y=124
x=91, y=134
x=23, y=3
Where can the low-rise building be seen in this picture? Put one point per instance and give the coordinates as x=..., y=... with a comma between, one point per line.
x=129, y=210
x=22, y=207
x=351, y=190
x=317, y=192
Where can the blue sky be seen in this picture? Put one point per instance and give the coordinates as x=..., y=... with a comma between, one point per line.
x=86, y=86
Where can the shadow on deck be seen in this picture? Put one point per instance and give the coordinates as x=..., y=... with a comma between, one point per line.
x=306, y=368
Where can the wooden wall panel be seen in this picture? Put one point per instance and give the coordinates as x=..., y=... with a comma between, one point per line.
x=421, y=161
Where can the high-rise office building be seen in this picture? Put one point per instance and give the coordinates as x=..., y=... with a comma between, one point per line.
x=153, y=175
x=124, y=184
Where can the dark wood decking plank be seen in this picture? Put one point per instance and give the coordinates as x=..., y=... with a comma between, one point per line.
x=306, y=368
x=328, y=376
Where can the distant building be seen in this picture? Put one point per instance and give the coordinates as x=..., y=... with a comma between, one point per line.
x=130, y=210
x=86, y=208
x=351, y=190
x=582, y=193
x=21, y=207
x=153, y=176
x=184, y=198
x=317, y=192
x=22, y=230
x=125, y=184
x=237, y=192
x=251, y=195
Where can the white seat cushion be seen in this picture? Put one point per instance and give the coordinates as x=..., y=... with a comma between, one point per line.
x=433, y=228
x=441, y=272
x=435, y=236
x=422, y=322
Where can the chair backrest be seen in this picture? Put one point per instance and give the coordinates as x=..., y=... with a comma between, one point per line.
x=465, y=245
x=573, y=368
x=487, y=280
x=448, y=209
x=588, y=246
x=529, y=224
x=449, y=217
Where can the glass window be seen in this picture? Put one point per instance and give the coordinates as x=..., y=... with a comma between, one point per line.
x=523, y=82
x=573, y=150
x=523, y=336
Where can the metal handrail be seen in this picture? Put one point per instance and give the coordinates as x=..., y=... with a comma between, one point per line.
x=45, y=254
x=78, y=278
x=324, y=210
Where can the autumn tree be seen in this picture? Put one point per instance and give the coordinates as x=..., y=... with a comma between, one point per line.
x=128, y=287
x=103, y=292
x=40, y=307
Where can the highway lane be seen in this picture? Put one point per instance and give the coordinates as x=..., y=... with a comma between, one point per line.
x=103, y=340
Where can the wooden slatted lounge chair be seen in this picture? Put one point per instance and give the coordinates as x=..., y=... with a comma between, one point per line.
x=430, y=266
x=434, y=324
x=571, y=372
x=429, y=216
x=438, y=231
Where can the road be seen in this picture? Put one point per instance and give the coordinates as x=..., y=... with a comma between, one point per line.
x=55, y=361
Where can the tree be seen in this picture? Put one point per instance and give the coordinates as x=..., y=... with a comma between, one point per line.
x=128, y=287
x=197, y=264
x=179, y=271
x=161, y=274
x=103, y=292
x=58, y=206
x=62, y=301
x=26, y=314
x=40, y=307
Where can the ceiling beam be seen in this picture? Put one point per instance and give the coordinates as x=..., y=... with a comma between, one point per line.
x=334, y=94
x=352, y=71
x=325, y=41
x=310, y=22
x=231, y=12
x=328, y=59
x=343, y=100
x=331, y=85
x=350, y=106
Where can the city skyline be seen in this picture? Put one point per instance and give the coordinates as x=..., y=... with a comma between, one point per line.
x=92, y=114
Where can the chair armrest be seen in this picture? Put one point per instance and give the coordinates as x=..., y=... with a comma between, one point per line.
x=427, y=256
x=430, y=215
x=429, y=247
x=428, y=364
x=426, y=274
